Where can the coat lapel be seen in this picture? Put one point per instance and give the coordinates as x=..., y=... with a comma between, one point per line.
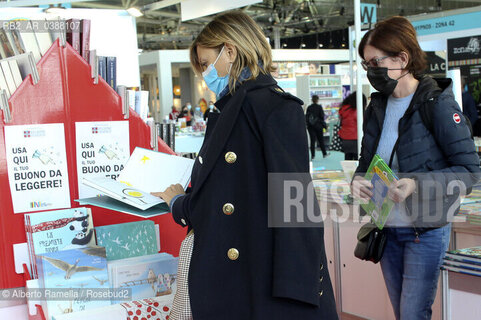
x=221, y=133
x=225, y=124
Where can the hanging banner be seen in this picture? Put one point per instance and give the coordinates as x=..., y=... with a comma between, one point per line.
x=452, y=23
x=37, y=167
x=103, y=148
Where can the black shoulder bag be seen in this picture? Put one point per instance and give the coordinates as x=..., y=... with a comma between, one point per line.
x=371, y=242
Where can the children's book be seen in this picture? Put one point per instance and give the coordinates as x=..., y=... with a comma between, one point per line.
x=146, y=171
x=381, y=177
x=58, y=230
x=150, y=276
x=72, y=269
x=126, y=240
x=112, y=204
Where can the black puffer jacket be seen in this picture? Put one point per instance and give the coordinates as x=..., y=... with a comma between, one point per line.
x=435, y=159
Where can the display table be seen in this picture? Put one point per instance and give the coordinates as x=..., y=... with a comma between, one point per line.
x=188, y=143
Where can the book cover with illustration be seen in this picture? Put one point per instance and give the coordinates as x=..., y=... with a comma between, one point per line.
x=146, y=171
x=126, y=240
x=73, y=269
x=381, y=176
x=472, y=254
x=58, y=230
x=153, y=277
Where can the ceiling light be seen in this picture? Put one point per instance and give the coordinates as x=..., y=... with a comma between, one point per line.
x=54, y=9
x=135, y=12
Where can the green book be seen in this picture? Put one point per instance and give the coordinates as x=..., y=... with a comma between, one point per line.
x=381, y=177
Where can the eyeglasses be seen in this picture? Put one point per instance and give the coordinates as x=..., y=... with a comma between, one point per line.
x=374, y=62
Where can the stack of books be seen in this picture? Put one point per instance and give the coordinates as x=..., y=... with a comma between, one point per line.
x=466, y=261
x=167, y=134
x=474, y=196
x=65, y=256
x=331, y=186
x=333, y=190
x=471, y=206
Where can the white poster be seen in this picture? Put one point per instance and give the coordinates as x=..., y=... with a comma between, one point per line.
x=103, y=148
x=37, y=167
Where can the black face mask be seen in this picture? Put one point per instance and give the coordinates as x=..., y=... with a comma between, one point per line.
x=380, y=80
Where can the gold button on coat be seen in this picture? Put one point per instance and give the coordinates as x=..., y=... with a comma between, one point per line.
x=233, y=254
x=228, y=209
x=230, y=157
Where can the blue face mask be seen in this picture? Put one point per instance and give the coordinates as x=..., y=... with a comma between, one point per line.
x=215, y=83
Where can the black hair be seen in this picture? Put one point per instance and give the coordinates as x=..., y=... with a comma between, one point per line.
x=352, y=100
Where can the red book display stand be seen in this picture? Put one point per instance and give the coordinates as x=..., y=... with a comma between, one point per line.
x=66, y=94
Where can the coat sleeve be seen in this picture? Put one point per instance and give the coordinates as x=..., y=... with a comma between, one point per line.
x=453, y=137
x=181, y=209
x=296, y=250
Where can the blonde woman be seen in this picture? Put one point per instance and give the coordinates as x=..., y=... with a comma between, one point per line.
x=240, y=267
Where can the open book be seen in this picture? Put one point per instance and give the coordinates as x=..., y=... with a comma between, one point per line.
x=146, y=171
x=381, y=176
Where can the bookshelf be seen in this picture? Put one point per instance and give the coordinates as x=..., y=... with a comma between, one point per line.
x=66, y=93
x=327, y=86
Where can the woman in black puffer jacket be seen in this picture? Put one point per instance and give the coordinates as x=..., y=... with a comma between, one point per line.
x=416, y=126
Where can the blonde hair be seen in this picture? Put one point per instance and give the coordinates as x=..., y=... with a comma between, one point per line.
x=239, y=30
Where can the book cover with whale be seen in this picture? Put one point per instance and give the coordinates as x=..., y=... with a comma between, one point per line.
x=58, y=230
x=73, y=269
x=126, y=240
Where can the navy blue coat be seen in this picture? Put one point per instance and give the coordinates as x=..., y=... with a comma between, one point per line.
x=443, y=155
x=280, y=273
